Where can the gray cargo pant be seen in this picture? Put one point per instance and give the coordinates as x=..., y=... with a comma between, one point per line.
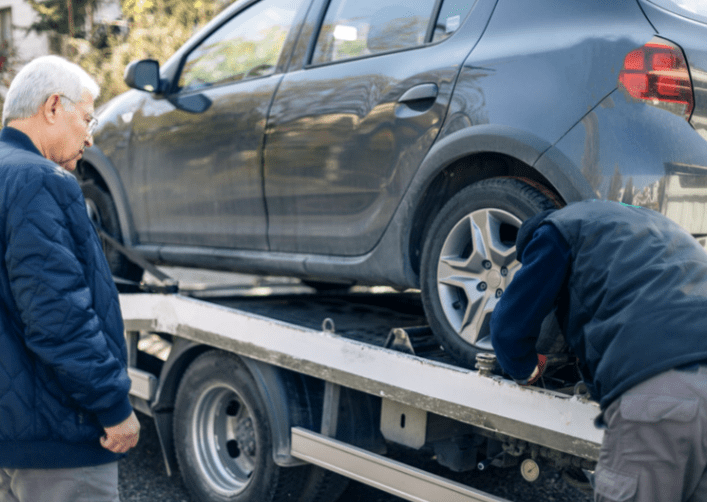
x=85, y=484
x=655, y=446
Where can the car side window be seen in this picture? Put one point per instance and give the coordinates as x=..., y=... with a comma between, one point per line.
x=451, y=16
x=247, y=46
x=356, y=28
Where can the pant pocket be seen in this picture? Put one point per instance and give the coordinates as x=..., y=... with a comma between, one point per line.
x=653, y=409
x=615, y=486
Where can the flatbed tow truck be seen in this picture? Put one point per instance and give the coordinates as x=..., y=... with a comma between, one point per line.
x=263, y=397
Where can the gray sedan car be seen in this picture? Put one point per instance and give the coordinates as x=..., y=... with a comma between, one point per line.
x=401, y=143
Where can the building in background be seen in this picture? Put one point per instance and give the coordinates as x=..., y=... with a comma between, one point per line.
x=17, y=15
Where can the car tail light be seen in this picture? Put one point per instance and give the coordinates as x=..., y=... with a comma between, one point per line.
x=658, y=74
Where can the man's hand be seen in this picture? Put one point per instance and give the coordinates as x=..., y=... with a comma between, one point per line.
x=538, y=371
x=120, y=438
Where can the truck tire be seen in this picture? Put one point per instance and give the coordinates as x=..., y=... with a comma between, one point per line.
x=469, y=258
x=323, y=485
x=223, y=438
x=102, y=212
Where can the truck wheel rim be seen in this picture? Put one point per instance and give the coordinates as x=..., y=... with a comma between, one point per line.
x=476, y=263
x=224, y=439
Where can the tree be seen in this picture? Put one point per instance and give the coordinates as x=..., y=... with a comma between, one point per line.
x=156, y=28
x=590, y=156
x=62, y=17
x=615, y=185
x=628, y=192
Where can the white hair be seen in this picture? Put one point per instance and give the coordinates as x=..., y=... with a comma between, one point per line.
x=41, y=78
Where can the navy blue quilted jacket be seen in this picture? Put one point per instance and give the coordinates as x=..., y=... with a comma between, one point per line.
x=62, y=351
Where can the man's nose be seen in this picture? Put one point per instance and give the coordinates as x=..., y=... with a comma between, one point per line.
x=89, y=140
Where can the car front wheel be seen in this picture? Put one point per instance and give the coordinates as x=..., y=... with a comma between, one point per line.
x=102, y=213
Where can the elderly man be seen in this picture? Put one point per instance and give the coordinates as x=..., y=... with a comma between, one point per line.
x=630, y=291
x=65, y=416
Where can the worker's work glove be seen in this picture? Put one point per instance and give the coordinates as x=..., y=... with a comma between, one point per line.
x=537, y=372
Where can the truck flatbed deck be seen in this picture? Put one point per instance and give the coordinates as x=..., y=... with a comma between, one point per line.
x=376, y=344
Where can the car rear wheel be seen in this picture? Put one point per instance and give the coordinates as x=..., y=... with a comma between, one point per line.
x=469, y=258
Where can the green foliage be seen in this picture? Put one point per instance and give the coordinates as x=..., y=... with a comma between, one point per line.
x=185, y=13
x=156, y=28
x=7, y=63
x=53, y=16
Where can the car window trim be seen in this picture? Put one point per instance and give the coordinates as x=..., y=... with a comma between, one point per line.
x=432, y=23
x=282, y=62
x=301, y=21
x=174, y=84
x=432, y=26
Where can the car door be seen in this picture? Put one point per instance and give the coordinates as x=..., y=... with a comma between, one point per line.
x=348, y=130
x=199, y=148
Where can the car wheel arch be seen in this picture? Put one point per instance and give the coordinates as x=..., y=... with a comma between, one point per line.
x=95, y=166
x=475, y=154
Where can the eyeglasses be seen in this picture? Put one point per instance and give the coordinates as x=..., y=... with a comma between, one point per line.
x=91, y=124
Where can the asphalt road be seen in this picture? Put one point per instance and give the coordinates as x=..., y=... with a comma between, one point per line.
x=143, y=479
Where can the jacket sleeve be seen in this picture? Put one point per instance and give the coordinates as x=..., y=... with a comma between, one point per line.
x=529, y=298
x=48, y=278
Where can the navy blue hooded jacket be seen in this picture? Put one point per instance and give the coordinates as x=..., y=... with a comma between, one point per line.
x=629, y=286
x=62, y=350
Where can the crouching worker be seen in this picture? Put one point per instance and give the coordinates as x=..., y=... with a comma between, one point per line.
x=65, y=417
x=630, y=291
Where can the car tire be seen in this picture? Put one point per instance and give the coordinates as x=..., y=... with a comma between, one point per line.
x=469, y=258
x=102, y=212
x=223, y=437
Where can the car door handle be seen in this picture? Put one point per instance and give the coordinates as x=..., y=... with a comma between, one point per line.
x=419, y=93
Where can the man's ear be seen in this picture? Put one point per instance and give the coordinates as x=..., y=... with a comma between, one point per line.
x=50, y=109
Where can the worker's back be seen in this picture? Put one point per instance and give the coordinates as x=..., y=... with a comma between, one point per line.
x=637, y=293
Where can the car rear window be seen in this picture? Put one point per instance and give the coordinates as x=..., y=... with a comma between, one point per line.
x=356, y=28
x=693, y=9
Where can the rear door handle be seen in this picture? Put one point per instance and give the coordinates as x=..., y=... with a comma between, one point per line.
x=420, y=92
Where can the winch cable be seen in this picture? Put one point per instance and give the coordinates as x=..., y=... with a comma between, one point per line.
x=165, y=284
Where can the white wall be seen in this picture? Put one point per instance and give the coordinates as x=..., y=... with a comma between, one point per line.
x=31, y=45
x=28, y=45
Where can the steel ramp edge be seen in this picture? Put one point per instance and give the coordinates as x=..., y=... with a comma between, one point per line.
x=547, y=418
x=380, y=472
